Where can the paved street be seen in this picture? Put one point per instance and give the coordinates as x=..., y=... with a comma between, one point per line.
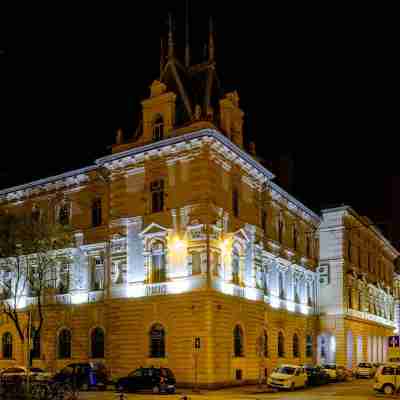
x=355, y=390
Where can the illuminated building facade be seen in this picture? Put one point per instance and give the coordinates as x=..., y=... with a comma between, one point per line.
x=357, y=290
x=180, y=234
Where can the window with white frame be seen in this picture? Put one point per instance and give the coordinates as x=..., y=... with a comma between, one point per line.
x=158, y=262
x=97, y=278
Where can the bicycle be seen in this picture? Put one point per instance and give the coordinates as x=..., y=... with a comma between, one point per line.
x=53, y=391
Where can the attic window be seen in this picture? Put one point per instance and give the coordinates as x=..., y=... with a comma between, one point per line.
x=158, y=128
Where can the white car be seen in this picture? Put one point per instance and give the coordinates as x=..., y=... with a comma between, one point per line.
x=365, y=370
x=387, y=378
x=13, y=373
x=288, y=377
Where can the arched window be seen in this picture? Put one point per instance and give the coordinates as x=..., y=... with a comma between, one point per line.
x=238, y=341
x=281, y=287
x=235, y=265
x=63, y=215
x=158, y=128
x=35, y=337
x=281, y=345
x=64, y=344
x=309, y=346
x=157, y=196
x=97, y=343
x=96, y=212
x=157, y=341
x=235, y=201
x=7, y=346
x=266, y=352
x=158, y=265
x=296, y=347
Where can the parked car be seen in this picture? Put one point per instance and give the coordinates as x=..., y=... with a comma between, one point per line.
x=84, y=376
x=288, y=377
x=18, y=373
x=387, y=378
x=336, y=373
x=154, y=379
x=316, y=376
x=365, y=370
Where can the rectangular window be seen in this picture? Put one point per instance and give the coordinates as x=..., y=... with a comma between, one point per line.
x=96, y=212
x=97, y=273
x=349, y=250
x=264, y=221
x=157, y=196
x=235, y=202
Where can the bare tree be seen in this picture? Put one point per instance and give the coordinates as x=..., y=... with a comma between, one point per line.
x=31, y=252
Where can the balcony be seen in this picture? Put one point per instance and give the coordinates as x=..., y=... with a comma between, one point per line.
x=370, y=317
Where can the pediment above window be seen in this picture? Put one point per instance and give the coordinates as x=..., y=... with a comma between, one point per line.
x=154, y=230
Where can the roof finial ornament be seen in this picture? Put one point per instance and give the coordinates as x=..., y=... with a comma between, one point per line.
x=170, y=39
x=187, y=47
x=211, y=48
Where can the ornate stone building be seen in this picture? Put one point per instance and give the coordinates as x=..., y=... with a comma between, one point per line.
x=180, y=234
x=357, y=293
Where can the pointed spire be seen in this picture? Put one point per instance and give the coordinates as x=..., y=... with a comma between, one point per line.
x=162, y=56
x=211, y=48
x=170, y=38
x=187, y=47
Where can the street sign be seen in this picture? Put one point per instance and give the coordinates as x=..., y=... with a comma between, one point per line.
x=197, y=343
x=394, y=341
x=393, y=348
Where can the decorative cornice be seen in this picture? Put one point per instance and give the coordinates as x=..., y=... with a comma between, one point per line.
x=56, y=182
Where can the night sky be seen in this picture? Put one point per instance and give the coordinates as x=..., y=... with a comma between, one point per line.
x=318, y=85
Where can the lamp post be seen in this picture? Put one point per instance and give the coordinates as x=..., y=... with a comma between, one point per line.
x=261, y=355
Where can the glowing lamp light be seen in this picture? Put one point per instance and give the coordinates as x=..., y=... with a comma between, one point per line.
x=227, y=288
x=251, y=294
x=79, y=298
x=224, y=245
x=178, y=287
x=333, y=344
x=136, y=291
x=178, y=244
x=304, y=309
x=275, y=303
x=290, y=306
x=22, y=302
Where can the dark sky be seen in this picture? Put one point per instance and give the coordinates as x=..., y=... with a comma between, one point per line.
x=317, y=83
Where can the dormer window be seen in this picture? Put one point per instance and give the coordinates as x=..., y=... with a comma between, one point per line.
x=63, y=215
x=158, y=128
